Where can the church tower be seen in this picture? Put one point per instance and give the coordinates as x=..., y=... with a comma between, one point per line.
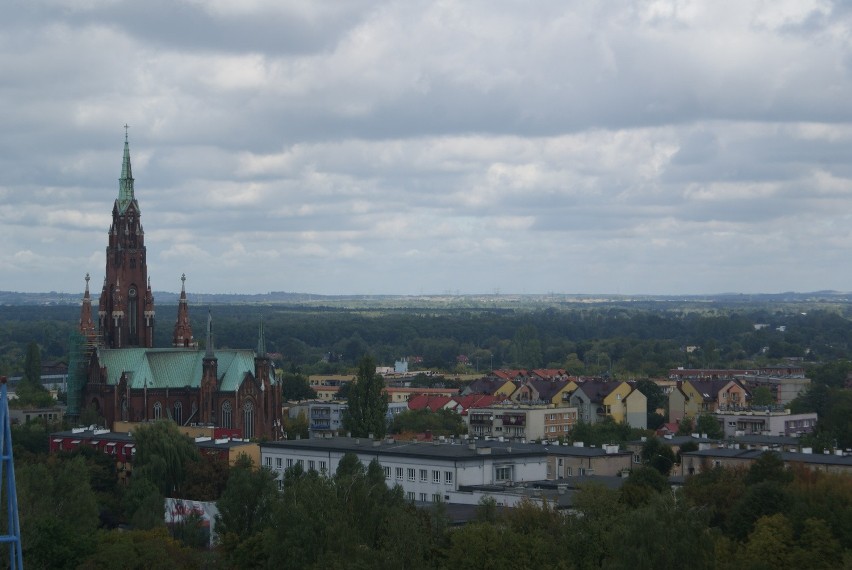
x=183, y=330
x=126, y=308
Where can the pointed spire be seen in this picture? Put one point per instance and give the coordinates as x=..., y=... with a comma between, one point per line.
x=183, y=330
x=209, y=351
x=261, y=341
x=87, y=326
x=125, y=183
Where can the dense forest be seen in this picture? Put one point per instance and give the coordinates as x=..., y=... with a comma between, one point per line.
x=622, y=339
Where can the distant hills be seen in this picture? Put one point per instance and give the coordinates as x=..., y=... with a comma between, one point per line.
x=446, y=300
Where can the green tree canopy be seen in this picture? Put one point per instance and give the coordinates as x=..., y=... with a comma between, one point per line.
x=367, y=403
x=162, y=454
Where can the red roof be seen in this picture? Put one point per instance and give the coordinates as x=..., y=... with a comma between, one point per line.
x=432, y=403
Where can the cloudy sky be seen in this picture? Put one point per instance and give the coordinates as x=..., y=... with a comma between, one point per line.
x=668, y=147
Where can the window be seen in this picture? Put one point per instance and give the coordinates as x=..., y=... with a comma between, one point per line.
x=503, y=473
x=569, y=471
x=267, y=461
x=300, y=463
x=410, y=495
x=280, y=484
x=637, y=458
x=436, y=497
x=411, y=474
x=178, y=413
x=436, y=476
x=424, y=476
x=158, y=410
x=386, y=469
x=279, y=463
x=248, y=420
x=399, y=473
x=423, y=497
x=289, y=463
x=323, y=467
x=226, y=415
x=312, y=465
x=448, y=477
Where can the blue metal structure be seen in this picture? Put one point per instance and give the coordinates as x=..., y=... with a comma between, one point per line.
x=7, y=468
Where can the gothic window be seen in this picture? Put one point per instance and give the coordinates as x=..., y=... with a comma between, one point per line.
x=178, y=413
x=124, y=409
x=132, y=314
x=248, y=420
x=226, y=415
x=158, y=410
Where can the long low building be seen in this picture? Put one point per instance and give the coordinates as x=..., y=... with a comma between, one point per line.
x=447, y=470
x=695, y=462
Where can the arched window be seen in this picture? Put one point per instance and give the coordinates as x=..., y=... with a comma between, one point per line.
x=226, y=415
x=248, y=420
x=178, y=413
x=124, y=409
x=158, y=410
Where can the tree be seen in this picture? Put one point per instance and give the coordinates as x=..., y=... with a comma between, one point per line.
x=658, y=455
x=58, y=512
x=295, y=386
x=768, y=467
x=657, y=399
x=762, y=396
x=526, y=347
x=140, y=550
x=296, y=427
x=162, y=453
x=442, y=422
x=707, y=424
x=32, y=365
x=367, y=403
x=245, y=507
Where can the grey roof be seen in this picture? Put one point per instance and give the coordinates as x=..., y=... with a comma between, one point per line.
x=440, y=450
x=787, y=456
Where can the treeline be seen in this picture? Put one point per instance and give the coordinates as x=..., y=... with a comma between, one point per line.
x=762, y=517
x=585, y=341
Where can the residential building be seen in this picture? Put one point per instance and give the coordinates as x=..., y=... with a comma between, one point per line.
x=695, y=462
x=521, y=422
x=619, y=400
x=694, y=397
x=777, y=423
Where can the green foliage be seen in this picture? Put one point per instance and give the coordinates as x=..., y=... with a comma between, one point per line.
x=162, y=454
x=140, y=550
x=32, y=365
x=205, y=479
x=295, y=386
x=296, y=427
x=526, y=347
x=58, y=512
x=245, y=509
x=367, y=405
x=144, y=504
x=657, y=399
x=658, y=455
x=442, y=422
x=641, y=486
x=708, y=424
x=768, y=467
x=762, y=396
x=605, y=431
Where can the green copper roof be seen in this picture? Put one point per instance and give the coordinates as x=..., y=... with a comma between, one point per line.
x=125, y=183
x=175, y=367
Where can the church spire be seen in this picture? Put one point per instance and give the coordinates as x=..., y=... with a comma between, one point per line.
x=125, y=183
x=87, y=325
x=261, y=341
x=209, y=351
x=183, y=330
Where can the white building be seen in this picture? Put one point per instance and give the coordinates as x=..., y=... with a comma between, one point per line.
x=448, y=471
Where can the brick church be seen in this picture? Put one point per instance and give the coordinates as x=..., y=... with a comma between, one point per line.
x=129, y=379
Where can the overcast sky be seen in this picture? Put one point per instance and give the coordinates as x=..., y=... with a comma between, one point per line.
x=662, y=147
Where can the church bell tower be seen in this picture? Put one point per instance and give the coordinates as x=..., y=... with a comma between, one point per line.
x=126, y=308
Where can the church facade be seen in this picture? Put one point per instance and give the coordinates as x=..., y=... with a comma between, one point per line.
x=129, y=379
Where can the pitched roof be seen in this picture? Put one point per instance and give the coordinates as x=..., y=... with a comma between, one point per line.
x=597, y=391
x=154, y=368
x=425, y=401
x=547, y=389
